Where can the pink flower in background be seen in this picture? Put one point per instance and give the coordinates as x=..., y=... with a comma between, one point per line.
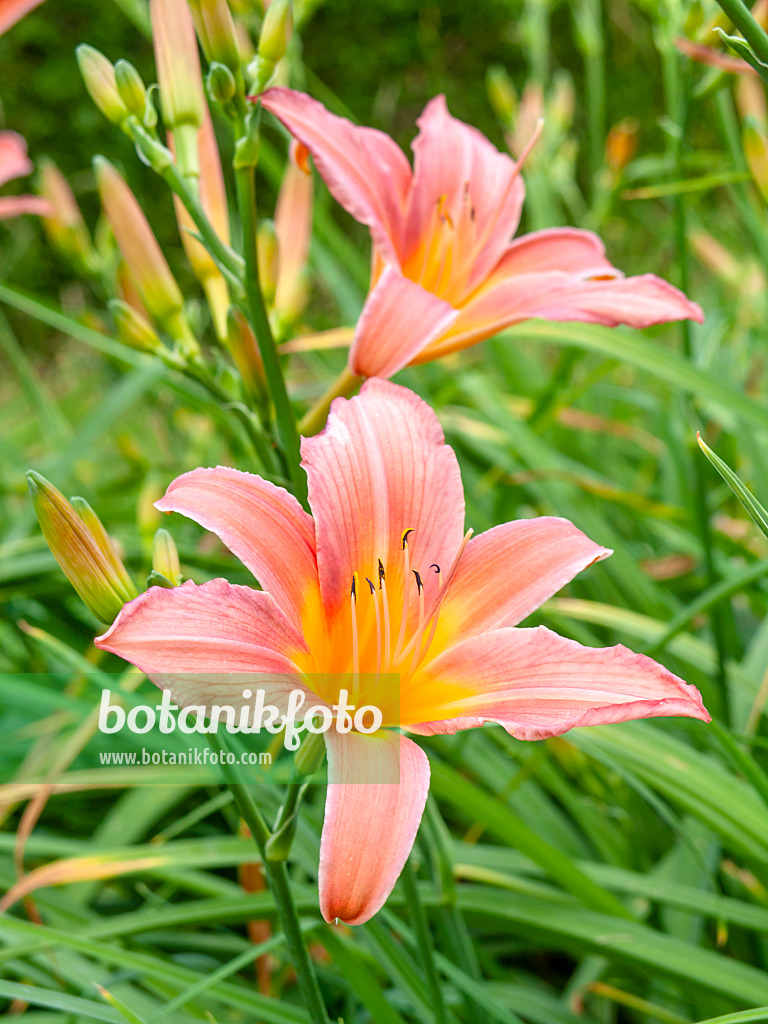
x=445, y=273
x=12, y=11
x=14, y=163
x=382, y=584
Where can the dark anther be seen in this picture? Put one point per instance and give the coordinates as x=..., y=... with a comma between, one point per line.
x=373, y=589
x=436, y=567
x=353, y=590
x=381, y=573
x=419, y=584
x=404, y=538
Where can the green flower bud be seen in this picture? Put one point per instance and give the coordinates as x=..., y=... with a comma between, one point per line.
x=165, y=557
x=99, y=77
x=221, y=83
x=131, y=88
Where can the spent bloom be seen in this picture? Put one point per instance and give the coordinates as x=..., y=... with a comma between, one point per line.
x=382, y=592
x=14, y=163
x=445, y=271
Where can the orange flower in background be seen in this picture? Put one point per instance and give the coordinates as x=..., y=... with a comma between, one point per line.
x=382, y=586
x=12, y=11
x=445, y=271
x=14, y=163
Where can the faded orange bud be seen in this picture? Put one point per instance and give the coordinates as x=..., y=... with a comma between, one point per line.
x=213, y=197
x=64, y=224
x=293, y=226
x=268, y=255
x=181, y=81
x=83, y=549
x=621, y=144
x=134, y=329
x=244, y=349
x=141, y=252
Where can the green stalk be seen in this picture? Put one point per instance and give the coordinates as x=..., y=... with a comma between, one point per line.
x=677, y=101
x=280, y=887
x=742, y=19
x=314, y=420
x=257, y=314
x=424, y=940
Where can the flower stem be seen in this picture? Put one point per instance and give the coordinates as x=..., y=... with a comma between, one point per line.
x=424, y=940
x=257, y=314
x=280, y=887
x=345, y=385
x=743, y=20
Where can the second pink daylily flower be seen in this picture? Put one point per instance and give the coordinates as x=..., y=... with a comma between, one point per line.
x=445, y=272
x=381, y=587
x=14, y=163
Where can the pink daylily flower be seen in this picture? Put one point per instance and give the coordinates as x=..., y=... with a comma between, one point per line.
x=445, y=272
x=382, y=579
x=12, y=11
x=14, y=163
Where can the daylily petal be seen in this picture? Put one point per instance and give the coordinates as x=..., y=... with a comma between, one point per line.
x=377, y=790
x=12, y=11
x=509, y=571
x=262, y=524
x=16, y=206
x=381, y=466
x=570, y=250
x=363, y=168
x=14, y=162
x=637, y=301
x=207, y=639
x=293, y=227
x=538, y=684
x=399, y=319
x=455, y=160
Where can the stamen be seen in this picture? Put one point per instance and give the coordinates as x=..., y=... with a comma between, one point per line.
x=375, y=597
x=436, y=567
x=406, y=595
x=385, y=612
x=443, y=591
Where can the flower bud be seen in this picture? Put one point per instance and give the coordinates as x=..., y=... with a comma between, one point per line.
x=131, y=88
x=221, y=83
x=244, y=349
x=310, y=754
x=64, y=224
x=99, y=77
x=213, y=198
x=275, y=35
x=621, y=144
x=293, y=223
x=181, y=83
x=267, y=248
x=82, y=548
x=755, y=143
x=149, y=268
x=276, y=31
x=216, y=32
x=165, y=557
x=133, y=329
x=502, y=94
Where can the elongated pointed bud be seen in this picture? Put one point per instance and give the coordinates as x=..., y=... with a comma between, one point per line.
x=165, y=557
x=244, y=349
x=64, y=224
x=146, y=262
x=268, y=259
x=82, y=548
x=213, y=197
x=310, y=754
x=181, y=82
x=273, y=42
x=131, y=88
x=133, y=329
x=621, y=144
x=99, y=77
x=293, y=224
x=755, y=143
x=216, y=31
x=502, y=94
